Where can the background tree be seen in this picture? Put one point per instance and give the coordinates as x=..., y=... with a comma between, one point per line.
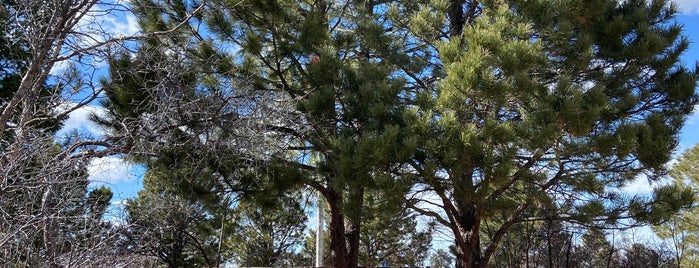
x=398, y=239
x=269, y=234
x=680, y=231
x=442, y=259
x=181, y=228
x=540, y=244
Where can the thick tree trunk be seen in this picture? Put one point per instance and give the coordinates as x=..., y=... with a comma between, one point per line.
x=353, y=225
x=344, y=233
x=469, y=246
x=352, y=237
x=470, y=252
x=336, y=229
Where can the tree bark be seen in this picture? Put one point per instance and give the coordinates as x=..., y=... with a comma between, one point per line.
x=469, y=249
x=336, y=229
x=344, y=233
x=353, y=223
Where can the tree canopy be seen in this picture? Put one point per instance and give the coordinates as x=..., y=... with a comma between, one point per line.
x=488, y=118
x=471, y=113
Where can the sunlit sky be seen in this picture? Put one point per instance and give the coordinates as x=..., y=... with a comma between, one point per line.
x=690, y=20
x=125, y=180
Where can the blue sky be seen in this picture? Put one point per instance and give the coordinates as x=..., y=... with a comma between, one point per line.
x=690, y=20
x=124, y=178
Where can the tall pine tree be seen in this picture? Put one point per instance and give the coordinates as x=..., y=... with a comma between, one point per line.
x=546, y=100
x=496, y=108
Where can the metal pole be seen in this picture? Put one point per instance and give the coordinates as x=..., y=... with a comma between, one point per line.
x=319, y=232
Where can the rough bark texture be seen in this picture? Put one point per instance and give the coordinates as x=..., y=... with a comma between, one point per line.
x=336, y=229
x=344, y=232
x=469, y=250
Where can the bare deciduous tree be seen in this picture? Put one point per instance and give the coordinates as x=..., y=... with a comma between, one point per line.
x=51, y=53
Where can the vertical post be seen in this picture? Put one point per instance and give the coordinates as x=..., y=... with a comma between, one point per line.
x=319, y=232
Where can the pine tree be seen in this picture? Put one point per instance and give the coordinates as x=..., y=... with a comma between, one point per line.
x=496, y=108
x=174, y=106
x=340, y=62
x=393, y=234
x=553, y=100
x=179, y=231
x=268, y=234
x=398, y=239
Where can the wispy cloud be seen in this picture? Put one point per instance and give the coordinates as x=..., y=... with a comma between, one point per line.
x=689, y=7
x=639, y=186
x=106, y=170
x=79, y=120
x=103, y=22
x=110, y=170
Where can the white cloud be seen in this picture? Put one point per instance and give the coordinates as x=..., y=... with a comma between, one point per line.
x=110, y=170
x=107, y=169
x=101, y=23
x=641, y=186
x=79, y=120
x=59, y=67
x=688, y=6
x=118, y=25
x=644, y=186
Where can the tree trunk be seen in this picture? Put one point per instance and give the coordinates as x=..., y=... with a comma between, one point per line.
x=470, y=253
x=469, y=246
x=336, y=229
x=352, y=237
x=344, y=233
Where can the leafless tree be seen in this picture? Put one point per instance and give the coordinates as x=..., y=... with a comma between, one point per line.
x=54, y=50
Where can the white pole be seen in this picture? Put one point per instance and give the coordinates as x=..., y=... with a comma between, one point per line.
x=319, y=233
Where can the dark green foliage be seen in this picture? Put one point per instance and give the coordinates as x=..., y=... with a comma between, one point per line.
x=180, y=232
x=390, y=233
x=268, y=235
x=508, y=112
x=550, y=100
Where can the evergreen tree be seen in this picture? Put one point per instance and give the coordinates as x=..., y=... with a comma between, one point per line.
x=171, y=229
x=173, y=110
x=269, y=234
x=180, y=221
x=640, y=256
x=345, y=67
x=680, y=232
x=398, y=239
x=365, y=116
x=498, y=108
x=552, y=100
x=442, y=259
